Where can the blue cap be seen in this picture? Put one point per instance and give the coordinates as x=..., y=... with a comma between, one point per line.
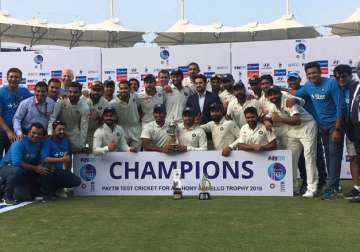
x=293, y=74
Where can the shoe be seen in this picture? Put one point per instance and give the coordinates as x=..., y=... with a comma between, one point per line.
x=355, y=200
x=9, y=202
x=329, y=195
x=303, y=188
x=308, y=194
x=354, y=193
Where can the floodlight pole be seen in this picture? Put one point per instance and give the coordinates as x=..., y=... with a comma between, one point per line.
x=182, y=9
x=287, y=8
x=111, y=9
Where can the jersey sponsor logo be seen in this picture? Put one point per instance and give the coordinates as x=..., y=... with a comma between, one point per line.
x=261, y=132
x=193, y=135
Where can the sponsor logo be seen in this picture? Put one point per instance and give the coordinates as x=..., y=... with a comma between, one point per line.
x=88, y=172
x=324, y=66
x=109, y=72
x=280, y=72
x=266, y=66
x=81, y=79
x=239, y=67
x=209, y=74
x=294, y=64
x=38, y=59
x=56, y=74
x=164, y=54
x=277, y=171
x=300, y=48
x=252, y=70
x=121, y=74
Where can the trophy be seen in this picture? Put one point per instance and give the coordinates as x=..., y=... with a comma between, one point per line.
x=172, y=132
x=204, y=188
x=177, y=185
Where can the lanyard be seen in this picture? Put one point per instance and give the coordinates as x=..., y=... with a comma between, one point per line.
x=36, y=104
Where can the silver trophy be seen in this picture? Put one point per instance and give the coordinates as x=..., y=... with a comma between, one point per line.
x=177, y=184
x=172, y=133
x=204, y=188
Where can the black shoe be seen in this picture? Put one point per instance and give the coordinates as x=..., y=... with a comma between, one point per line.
x=354, y=193
x=9, y=202
x=303, y=188
x=354, y=200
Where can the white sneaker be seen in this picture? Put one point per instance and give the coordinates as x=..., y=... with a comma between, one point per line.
x=308, y=194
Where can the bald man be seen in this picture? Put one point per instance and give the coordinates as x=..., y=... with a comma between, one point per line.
x=67, y=77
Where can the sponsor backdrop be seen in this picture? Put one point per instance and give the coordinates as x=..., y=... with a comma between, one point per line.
x=125, y=63
x=279, y=57
x=44, y=65
x=243, y=173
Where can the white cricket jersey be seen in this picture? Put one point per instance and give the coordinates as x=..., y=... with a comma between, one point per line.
x=127, y=112
x=95, y=116
x=259, y=135
x=175, y=103
x=76, y=118
x=147, y=104
x=236, y=111
x=158, y=135
x=226, y=97
x=223, y=133
x=194, y=138
x=104, y=136
x=303, y=130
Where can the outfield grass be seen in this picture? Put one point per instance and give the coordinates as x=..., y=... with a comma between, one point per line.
x=163, y=224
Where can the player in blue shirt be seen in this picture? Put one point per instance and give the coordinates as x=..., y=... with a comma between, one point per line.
x=10, y=98
x=329, y=107
x=56, y=154
x=344, y=78
x=22, y=165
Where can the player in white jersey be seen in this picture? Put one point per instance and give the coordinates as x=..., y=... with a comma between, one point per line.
x=223, y=132
x=193, y=71
x=236, y=107
x=190, y=136
x=154, y=135
x=253, y=135
x=149, y=98
x=110, y=137
x=109, y=90
x=75, y=113
x=175, y=100
x=163, y=77
x=127, y=112
x=227, y=83
x=301, y=131
x=96, y=103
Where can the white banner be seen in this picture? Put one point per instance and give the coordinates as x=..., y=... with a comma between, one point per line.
x=150, y=173
x=125, y=63
x=44, y=65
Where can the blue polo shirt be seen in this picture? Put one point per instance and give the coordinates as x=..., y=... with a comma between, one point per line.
x=56, y=148
x=9, y=102
x=23, y=151
x=327, y=100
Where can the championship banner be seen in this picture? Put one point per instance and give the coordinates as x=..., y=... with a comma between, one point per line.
x=126, y=63
x=151, y=173
x=44, y=65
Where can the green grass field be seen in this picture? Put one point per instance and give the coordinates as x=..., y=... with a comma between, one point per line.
x=163, y=224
